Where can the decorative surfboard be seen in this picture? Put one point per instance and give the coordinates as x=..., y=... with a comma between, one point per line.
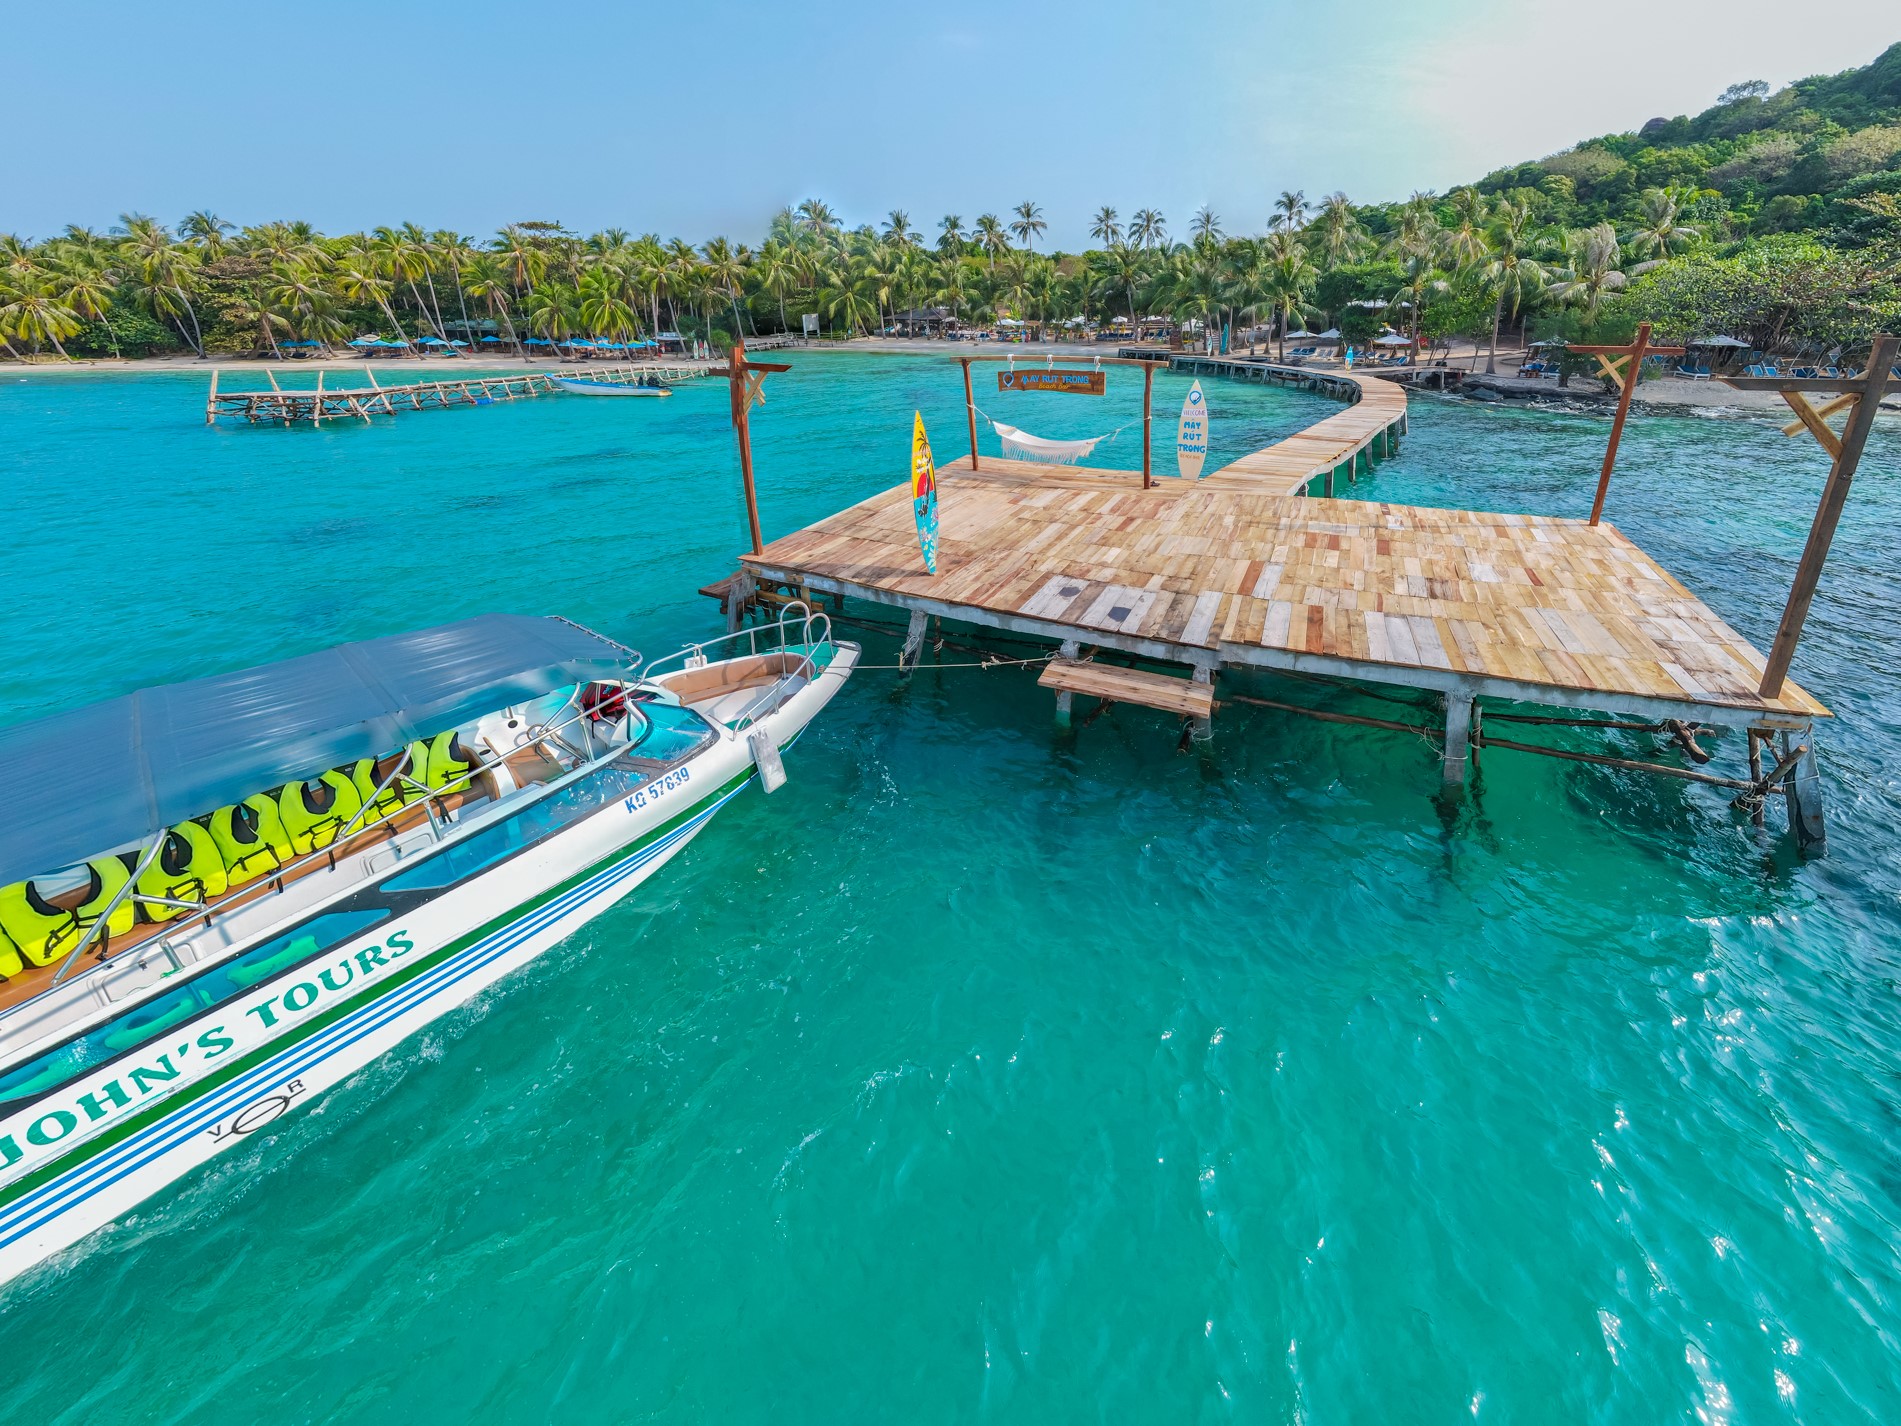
x=1191, y=438
x=924, y=493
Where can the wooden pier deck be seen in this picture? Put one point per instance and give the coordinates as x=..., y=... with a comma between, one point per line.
x=1233, y=570
x=293, y=405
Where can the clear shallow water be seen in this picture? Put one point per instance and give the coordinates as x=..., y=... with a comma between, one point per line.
x=980, y=1075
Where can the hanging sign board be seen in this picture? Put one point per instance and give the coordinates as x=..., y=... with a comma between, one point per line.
x=1191, y=438
x=1079, y=383
x=924, y=494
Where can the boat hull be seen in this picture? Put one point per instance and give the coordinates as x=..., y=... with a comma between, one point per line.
x=51, y=1205
x=603, y=388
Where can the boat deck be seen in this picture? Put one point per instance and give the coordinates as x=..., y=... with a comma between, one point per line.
x=1226, y=571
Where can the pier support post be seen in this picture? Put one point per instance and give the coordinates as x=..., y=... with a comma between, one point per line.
x=1065, y=700
x=1458, y=737
x=739, y=596
x=1803, y=785
x=913, y=643
x=1200, y=730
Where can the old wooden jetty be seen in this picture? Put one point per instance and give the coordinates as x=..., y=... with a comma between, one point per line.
x=1264, y=565
x=292, y=405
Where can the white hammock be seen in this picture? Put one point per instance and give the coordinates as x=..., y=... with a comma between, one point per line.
x=1024, y=446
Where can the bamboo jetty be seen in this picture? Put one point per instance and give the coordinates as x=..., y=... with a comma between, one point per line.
x=281, y=405
x=1147, y=592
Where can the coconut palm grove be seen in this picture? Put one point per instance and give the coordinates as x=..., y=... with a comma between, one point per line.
x=1774, y=217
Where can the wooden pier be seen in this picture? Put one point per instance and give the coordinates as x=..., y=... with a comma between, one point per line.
x=290, y=406
x=1254, y=566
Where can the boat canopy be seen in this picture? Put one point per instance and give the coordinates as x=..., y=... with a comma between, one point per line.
x=79, y=783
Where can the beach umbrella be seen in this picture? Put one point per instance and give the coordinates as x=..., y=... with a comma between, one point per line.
x=1718, y=342
x=366, y=342
x=492, y=339
x=458, y=343
x=1332, y=334
x=537, y=342
x=1392, y=340
x=1303, y=332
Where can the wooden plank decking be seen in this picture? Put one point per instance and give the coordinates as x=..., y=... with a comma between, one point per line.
x=1228, y=570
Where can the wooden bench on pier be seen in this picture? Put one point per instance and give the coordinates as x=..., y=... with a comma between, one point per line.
x=1113, y=684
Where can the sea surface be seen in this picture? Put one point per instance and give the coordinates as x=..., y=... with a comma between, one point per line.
x=985, y=1074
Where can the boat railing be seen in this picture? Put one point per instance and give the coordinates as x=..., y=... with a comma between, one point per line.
x=695, y=655
x=773, y=698
x=401, y=777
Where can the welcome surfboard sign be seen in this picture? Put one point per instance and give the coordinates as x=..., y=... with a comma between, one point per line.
x=1191, y=437
x=924, y=493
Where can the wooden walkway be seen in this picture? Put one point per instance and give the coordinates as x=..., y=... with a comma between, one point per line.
x=289, y=406
x=1233, y=570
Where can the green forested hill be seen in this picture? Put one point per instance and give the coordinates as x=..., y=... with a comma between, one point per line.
x=1757, y=162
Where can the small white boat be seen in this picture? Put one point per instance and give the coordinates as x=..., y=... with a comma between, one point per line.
x=585, y=386
x=280, y=874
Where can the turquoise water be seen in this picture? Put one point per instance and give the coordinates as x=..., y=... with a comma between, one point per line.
x=985, y=1075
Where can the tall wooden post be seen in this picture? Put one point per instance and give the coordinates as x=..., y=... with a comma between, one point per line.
x=1626, y=377
x=746, y=378
x=970, y=412
x=1847, y=451
x=1148, y=412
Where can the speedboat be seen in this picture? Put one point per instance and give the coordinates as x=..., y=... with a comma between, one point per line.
x=218, y=898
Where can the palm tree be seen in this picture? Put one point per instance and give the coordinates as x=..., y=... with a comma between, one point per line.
x=725, y=272
x=1206, y=226
x=898, y=231
x=1421, y=279
x=1105, y=229
x=205, y=231
x=84, y=284
x=1465, y=241
x=817, y=216
x=603, y=310
x=1028, y=225
x=1290, y=210
x=951, y=235
x=1510, y=269
x=523, y=259
x=1290, y=280
x=1341, y=237
x=1661, y=231
x=1593, y=271
x=774, y=274
x=163, y=270
x=358, y=280
x=990, y=233
x=489, y=283
x=33, y=314
x=1148, y=229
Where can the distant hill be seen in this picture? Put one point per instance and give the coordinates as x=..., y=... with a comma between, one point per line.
x=1759, y=162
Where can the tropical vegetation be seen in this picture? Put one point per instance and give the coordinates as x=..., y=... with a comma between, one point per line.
x=1772, y=217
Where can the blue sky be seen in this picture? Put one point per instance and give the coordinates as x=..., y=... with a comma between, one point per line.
x=697, y=119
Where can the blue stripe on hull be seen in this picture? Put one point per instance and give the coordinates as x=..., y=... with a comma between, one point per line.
x=63, y=1194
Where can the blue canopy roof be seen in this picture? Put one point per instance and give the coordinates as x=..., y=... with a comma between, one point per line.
x=79, y=783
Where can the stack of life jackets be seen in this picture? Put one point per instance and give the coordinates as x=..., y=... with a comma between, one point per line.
x=205, y=857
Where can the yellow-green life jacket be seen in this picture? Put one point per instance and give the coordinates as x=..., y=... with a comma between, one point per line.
x=189, y=867
x=314, y=813
x=449, y=763
x=250, y=838
x=364, y=777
